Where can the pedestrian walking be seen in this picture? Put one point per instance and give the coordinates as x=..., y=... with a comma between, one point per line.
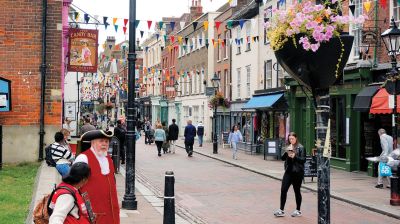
x=190, y=133
x=101, y=186
x=67, y=203
x=87, y=126
x=234, y=137
x=120, y=133
x=294, y=157
x=200, y=133
x=147, y=131
x=60, y=154
x=387, y=148
x=173, y=133
x=159, y=138
x=165, y=145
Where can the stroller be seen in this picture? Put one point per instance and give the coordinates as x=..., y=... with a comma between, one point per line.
x=149, y=137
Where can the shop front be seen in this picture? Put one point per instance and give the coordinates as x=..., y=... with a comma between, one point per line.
x=145, y=103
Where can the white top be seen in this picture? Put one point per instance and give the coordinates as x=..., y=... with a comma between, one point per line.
x=64, y=204
x=103, y=161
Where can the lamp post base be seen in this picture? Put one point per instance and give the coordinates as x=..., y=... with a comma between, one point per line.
x=129, y=203
x=215, y=147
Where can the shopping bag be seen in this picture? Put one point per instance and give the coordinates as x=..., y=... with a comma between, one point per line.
x=384, y=170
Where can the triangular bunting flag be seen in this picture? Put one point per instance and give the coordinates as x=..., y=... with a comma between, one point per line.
x=180, y=39
x=86, y=18
x=115, y=21
x=367, y=6
x=195, y=25
x=126, y=22
x=236, y=41
x=241, y=40
x=76, y=14
x=241, y=23
x=224, y=42
x=213, y=41
x=116, y=28
x=157, y=36
x=182, y=24
x=172, y=38
x=172, y=24
x=141, y=33
x=160, y=25
x=105, y=21
x=383, y=3
x=165, y=38
x=149, y=22
x=186, y=40
x=137, y=23
x=124, y=28
x=205, y=24
x=217, y=24
x=109, y=46
x=352, y=8
x=230, y=41
x=200, y=41
x=229, y=24
x=184, y=47
x=191, y=47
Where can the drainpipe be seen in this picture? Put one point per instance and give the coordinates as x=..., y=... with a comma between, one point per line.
x=43, y=67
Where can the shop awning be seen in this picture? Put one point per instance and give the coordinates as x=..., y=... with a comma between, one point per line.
x=263, y=101
x=363, y=99
x=383, y=103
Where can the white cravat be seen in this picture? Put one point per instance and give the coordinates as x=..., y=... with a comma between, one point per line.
x=103, y=161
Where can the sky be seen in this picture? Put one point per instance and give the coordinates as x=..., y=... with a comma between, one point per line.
x=146, y=10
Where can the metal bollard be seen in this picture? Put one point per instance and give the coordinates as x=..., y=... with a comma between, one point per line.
x=394, y=190
x=169, y=198
x=115, y=156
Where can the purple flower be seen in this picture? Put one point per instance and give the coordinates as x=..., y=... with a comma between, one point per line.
x=303, y=40
x=311, y=25
x=314, y=47
x=306, y=46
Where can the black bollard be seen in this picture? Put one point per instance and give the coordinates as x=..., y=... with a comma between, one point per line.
x=394, y=190
x=169, y=198
x=115, y=156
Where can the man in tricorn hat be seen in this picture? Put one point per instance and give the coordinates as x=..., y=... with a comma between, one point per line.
x=101, y=186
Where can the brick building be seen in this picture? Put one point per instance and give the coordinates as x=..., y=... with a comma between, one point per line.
x=21, y=62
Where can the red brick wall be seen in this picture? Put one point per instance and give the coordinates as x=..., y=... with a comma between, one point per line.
x=20, y=60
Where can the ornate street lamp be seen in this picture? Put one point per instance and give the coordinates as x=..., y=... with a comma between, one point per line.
x=129, y=201
x=215, y=81
x=391, y=39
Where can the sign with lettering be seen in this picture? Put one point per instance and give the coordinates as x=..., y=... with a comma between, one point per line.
x=210, y=91
x=310, y=166
x=83, y=50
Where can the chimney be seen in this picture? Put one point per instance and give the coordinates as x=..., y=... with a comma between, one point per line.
x=196, y=10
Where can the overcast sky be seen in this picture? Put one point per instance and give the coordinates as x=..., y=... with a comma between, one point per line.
x=146, y=10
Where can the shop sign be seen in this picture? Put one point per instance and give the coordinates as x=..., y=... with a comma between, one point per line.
x=370, y=36
x=83, y=50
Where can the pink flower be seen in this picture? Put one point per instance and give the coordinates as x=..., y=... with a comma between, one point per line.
x=311, y=25
x=334, y=1
x=306, y=46
x=318, y=7
x=303, y=40
x=314, y=47
x=289, y=32
x=318, y=36
x=329, y=28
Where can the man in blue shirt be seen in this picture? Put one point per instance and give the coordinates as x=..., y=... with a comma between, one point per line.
x=190, y=133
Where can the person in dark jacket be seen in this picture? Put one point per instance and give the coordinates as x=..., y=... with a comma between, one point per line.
x=190, y=133
x=120, y=133
x=294, y=157
x=200, y=133
x=173, y=133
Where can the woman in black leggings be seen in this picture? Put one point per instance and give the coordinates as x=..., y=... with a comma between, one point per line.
x=294, y=157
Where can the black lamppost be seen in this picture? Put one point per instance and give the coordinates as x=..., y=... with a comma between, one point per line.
x=129, y=201
x=108, y=103
x=391, y=39
x=215, y=82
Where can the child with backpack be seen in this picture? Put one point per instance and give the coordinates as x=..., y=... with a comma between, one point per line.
x=65, y=204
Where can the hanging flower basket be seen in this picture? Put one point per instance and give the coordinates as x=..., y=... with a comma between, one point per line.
x=108, y=106
x=219, y=100
x=309, y=43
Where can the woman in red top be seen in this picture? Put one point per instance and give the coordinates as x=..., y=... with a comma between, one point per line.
x=67, y=203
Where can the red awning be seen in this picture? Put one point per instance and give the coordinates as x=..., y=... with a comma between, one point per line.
x=380, y=103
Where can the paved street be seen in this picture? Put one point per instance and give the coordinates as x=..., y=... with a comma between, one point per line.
x=215, y=192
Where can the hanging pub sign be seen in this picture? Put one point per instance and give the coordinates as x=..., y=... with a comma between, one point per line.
x=370, y=36
x=83, y=50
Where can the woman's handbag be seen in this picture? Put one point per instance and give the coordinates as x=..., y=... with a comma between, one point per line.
x=384, y=170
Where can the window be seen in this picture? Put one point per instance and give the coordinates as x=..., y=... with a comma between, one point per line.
x=248, y=36
x=219, y=48
x=238, y=36
x=248, y=71
x=219, y=76
x=268, y=74
x=202, y=113
x=182, y=86
x=226, y=83
x=238, y=83
x=226, y=45
x=396, y=10
x=357, y=29
x=194, y=43
x=189, y=85
x=195, y=79
x=201, y=87
x=186, y=111
x=267, y=17
x=196, y=114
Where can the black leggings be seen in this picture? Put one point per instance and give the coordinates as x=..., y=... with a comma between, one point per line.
x=294, y=179
x=159, y=144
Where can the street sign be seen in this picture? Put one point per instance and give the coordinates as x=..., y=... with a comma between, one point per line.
x=210, y=91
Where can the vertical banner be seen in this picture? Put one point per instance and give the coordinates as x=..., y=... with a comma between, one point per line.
x=83, y=50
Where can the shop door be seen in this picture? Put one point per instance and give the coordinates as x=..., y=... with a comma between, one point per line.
x=301, y=129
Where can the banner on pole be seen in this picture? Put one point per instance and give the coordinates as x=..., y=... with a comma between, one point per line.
x=83, y=50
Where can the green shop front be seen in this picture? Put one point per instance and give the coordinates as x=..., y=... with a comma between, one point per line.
x=353, y=131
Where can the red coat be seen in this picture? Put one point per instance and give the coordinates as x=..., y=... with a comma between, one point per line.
x=102, y=191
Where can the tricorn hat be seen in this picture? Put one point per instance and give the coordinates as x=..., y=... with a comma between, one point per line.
x=95, y=134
